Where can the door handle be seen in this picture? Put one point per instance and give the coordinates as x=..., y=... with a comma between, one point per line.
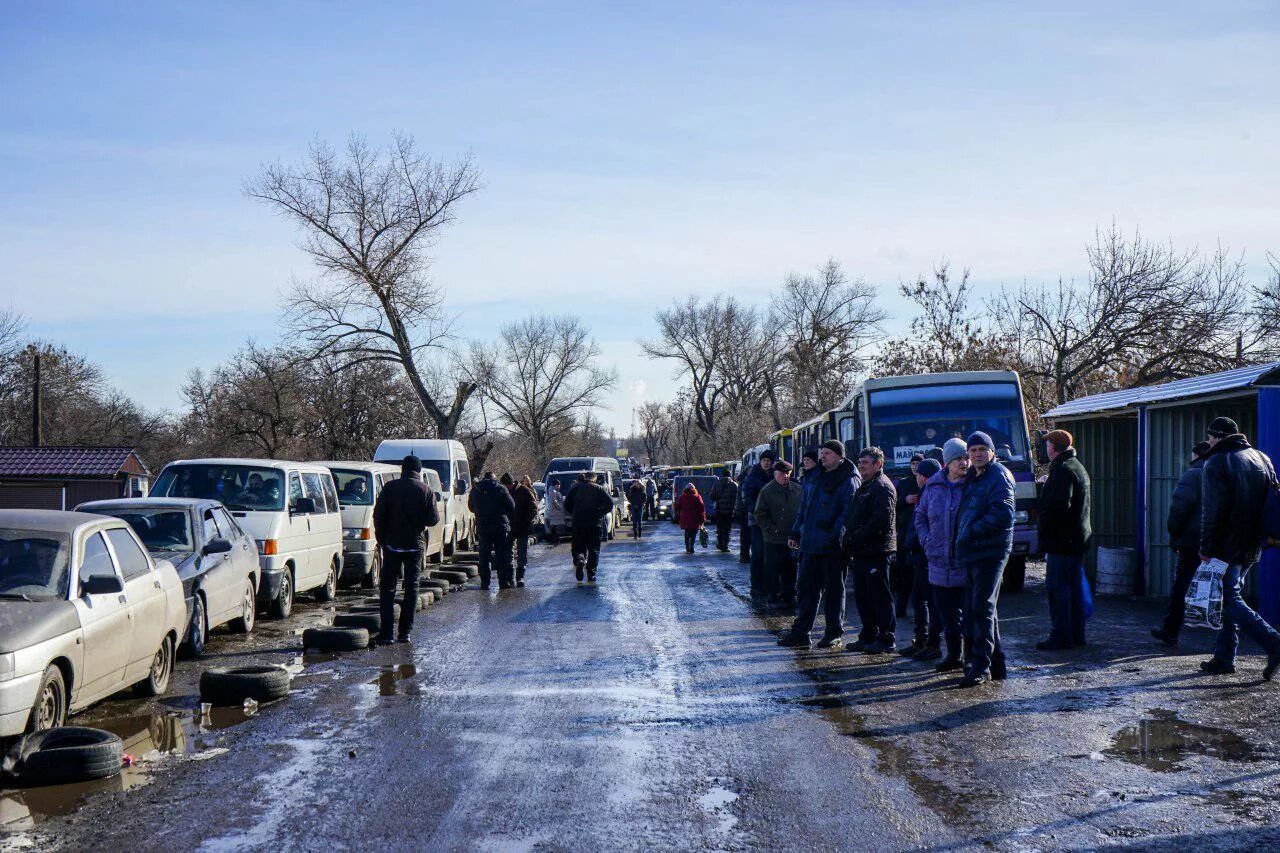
x=124, y=600
x=157, y=583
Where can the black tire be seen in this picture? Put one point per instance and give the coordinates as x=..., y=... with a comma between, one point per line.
x=198, y=630
x=437, y=558
x=371, y=622
x=282, y=604
x=50, y=708
x=438, y=584
x=426, y=599
x=1015, y=575
x=157, y=681
x=64, y=755
x=449, y=577
x=248, y=609
x=329, y=590
x=335, y=639
x=233, y=685
x=450, y=546
x=375, y=609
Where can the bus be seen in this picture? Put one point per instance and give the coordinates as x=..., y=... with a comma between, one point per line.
x=783, y=445
x=841, y=423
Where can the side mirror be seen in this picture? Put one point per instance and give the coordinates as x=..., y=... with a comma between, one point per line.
x=101, y=585
x=303, y=506
x=216, y=546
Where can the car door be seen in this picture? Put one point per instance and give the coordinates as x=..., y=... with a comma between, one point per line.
x=146, y=601
x=244, y=556
x=216, y=572
x=299, y=528
x=106, y=627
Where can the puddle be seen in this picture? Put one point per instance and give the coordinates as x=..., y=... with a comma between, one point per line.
x=390, y=678
x=1164, y=742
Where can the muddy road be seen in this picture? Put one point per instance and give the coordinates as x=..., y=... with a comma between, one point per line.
x=654, y=710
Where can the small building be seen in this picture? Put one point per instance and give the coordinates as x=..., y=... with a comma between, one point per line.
x=1135, y=444
x=62, y=477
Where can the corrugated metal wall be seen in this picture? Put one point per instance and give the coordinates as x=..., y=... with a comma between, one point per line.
x=1108, y=449
x=1171, y=433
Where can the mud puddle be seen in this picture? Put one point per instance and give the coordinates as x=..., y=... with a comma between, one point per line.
x=396, y=680
x=1165, y=743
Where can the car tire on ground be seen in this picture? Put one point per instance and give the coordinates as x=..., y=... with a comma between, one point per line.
x=64, y=755
x=233, y=685
x=371, y=622
x=157, y=680
x=243, y=624
x=198, y=630
x=439, y=584
x=449, y=576
x=282, y=604
x=375, y=609
x=50, y=708
x=426, y=599
x=335, y=639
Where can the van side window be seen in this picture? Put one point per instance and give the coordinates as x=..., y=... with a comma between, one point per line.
x=295, y=490
x=97, y=559
x=313, y=489
x=464, y=474
x=330, y=492
x=133, y=560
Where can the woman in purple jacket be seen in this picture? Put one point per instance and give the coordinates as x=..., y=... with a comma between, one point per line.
x=935, y=521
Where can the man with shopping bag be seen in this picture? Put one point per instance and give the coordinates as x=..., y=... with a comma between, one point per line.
x=1234, y=486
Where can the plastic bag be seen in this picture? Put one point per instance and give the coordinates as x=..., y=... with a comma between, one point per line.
x=704, y=537
x=1204, y=596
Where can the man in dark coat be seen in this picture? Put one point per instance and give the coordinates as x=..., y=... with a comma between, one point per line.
x=1183, y=525
x=1234, y=485
x=1064, y=534
x=776, y=511
x=636, y=499
x=494, y=508
x=900, y=573
x=521, y=522
x=587, y=505
x=404, y=510
x=724, y=495
x=819, y=525
x=871, y=540
x=752, y=543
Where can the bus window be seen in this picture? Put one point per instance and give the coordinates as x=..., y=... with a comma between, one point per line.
x=918, y=418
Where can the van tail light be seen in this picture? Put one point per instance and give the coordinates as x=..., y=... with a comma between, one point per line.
x=270, y=547
x=366, y=533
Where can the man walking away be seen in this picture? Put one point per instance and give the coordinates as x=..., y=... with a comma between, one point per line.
x=902, y=575
x=587, y=504
x=494, y=508
x=927, y=639
x=636, y=498
x=404, y=510
x=521, y=521
x=1183, y=524
x=935, y=522
x=1064, y=536
x=753, y=542
x=690, y=512
x=871, y=540
x=983, y=542
x=555, y=508
x=1234, y=486
x=776, y=511
x=651, y=498
x=817, y=535
x=724, y=495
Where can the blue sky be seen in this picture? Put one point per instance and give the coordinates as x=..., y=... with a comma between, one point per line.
x=632, y=153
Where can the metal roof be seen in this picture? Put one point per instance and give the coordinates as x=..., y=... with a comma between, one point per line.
x=65, y=461
x=1114, y=402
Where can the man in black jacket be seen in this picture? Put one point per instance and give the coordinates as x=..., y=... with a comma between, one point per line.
x=404, y=510
x=1234, y=485
x=587, y=504
x=1064, y=535
x=521, y=521
x=1183, y=525
x=871, y=539
x=494, y=508
x=724, y=494
x=750, y=542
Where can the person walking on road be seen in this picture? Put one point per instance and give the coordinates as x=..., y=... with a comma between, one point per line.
x=651, y=498
x=587, y=504
x=1183, y=525
x=901, y=575
x=636, y=499
x=752, y=546
x=521, y=521
x=724, y=495
x=404, y=510
x=493, y=507
x=870, y=539
x=1234, y=486
x=1064, y=533
x=555, y=506
x=776, y=510
x=935, y=521
x=691, y=514
x=816, y=534
x=983, y=542
x=927, y=638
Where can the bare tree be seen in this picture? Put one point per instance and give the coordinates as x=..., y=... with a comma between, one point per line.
x=254, y=404
x=368, y=220
x=655, y=430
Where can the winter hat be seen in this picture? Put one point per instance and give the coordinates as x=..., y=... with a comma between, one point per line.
x=928, y=467
x=954, y=449
x=1222, y=427
x=810, y=453
x=411, y=464
x=980, y=439
x=935, y=453
x=1059, y=438
x=835, y=446
x=784, y=466
x=768, y=454
x=1201, y=448
x=506, y=480
x=917, y=456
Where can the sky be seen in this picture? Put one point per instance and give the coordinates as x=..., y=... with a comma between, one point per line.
x=631, y=154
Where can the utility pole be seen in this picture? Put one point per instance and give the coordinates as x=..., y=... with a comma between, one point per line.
x=35, y=399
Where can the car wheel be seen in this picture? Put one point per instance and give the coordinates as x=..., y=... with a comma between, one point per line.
x=50, y=708
x=198, y=630
x=329, y=591
x=157, y=680
x=282, y=604
x=375, y=571
x=233, y=685
x=449, y=546
x=248, y=609
x=65, y=755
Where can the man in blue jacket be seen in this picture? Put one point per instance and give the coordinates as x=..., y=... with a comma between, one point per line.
x=983, y=542
x=752, y=545
x=817, y=534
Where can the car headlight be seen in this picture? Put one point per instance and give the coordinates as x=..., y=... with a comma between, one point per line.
x=1021, y=516
x=351, y=533
x=7, y=670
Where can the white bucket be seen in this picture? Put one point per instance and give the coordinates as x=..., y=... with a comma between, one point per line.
x=1116, y=575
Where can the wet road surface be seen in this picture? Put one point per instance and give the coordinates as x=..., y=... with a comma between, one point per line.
x=655, y=711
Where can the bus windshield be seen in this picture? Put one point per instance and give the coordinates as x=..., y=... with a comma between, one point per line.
x=907, y=420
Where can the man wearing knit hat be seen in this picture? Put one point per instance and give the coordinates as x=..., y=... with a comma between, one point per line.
x=750, y=543
x=1064, y=533
x=983, y=542
x=1183, y=524
x=872, y=541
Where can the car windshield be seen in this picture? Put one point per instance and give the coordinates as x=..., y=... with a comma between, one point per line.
x=355, y=488
x=159, y=529
x=907, y=420
x=34, y=564
x=242, y=487
x=566, y=481
x=665, y=493
x=570, y=463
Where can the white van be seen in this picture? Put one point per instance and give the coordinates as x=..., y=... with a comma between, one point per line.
x=557, y=521
x=359, y=484
x=289, y=508
x=449, y=460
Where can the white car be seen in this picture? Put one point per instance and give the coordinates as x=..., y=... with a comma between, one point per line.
x=84, y=613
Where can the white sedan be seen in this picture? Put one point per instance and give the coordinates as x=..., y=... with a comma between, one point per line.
x=84, y=613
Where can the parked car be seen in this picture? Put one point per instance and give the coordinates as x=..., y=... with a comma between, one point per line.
x=289, y=508
x=448, y=459
x=84, y=613
x=216, y=560
x=665, y=501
